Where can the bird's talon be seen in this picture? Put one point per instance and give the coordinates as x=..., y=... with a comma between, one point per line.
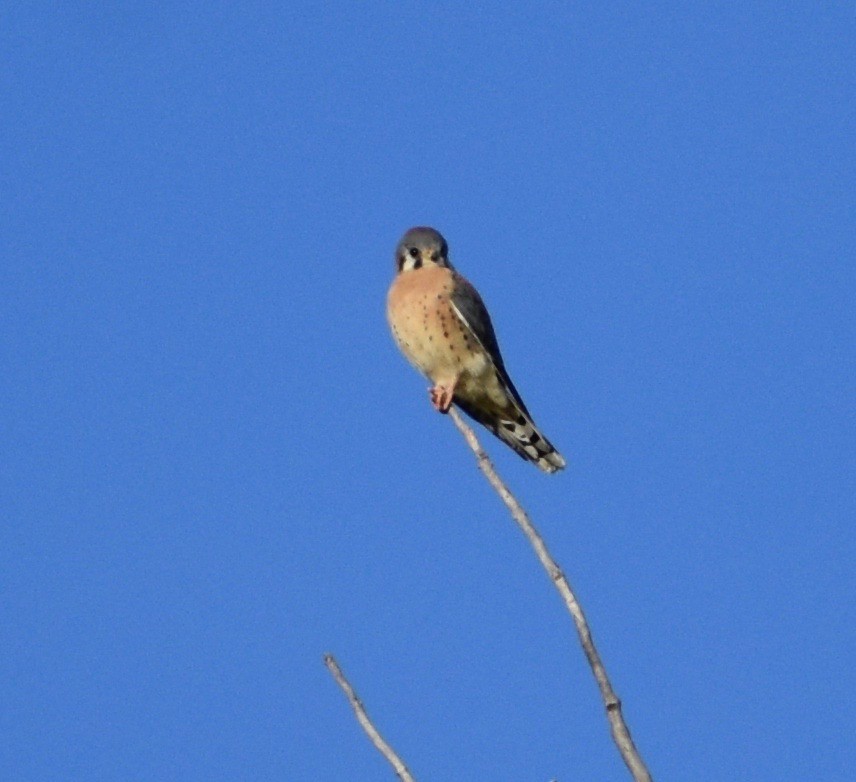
x=441, y=398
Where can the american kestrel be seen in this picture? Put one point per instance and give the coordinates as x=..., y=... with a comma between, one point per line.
x=442, y=327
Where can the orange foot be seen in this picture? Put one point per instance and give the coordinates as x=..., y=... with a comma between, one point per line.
x=441, y=397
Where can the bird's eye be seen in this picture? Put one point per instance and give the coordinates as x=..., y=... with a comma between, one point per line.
x=413, y=252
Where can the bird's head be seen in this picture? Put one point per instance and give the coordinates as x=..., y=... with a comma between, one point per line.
x=421, y=247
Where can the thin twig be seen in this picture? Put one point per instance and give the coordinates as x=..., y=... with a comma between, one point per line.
x=363, y=718
x=620, y=731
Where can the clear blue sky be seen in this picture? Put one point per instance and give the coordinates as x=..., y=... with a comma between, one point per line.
x=216, y=466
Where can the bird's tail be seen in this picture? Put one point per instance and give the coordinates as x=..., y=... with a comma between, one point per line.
x=517, y=430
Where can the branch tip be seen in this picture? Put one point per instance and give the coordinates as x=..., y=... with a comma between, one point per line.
x=612, y=705
x=363, y=718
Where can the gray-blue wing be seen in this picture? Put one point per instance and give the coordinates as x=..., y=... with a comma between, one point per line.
x=514, y=426
x=470, y=309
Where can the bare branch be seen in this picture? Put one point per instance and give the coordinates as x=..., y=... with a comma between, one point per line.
x=620, y=731
x=363, y=718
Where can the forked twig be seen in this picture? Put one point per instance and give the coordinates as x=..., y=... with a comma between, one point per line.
x=620, y=731
x=363, y=718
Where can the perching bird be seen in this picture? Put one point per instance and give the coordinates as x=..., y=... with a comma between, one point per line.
x=442, y=327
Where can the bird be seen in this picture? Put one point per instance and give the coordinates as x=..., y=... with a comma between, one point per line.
x=442, y=327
